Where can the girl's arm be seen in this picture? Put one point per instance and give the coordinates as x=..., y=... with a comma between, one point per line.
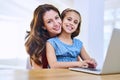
x=84, y=56
x=53, y=63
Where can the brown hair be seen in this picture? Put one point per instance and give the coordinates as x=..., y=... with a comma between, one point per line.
x=63, y=14
x=37, y=36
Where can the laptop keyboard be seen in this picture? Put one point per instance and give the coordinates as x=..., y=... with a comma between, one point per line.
x=92, y=69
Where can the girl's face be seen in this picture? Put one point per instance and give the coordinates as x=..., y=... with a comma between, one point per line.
x=70, y=22
x=52, y=22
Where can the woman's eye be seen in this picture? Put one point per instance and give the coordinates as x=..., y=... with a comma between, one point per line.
x=49, y=22
x=57, y=17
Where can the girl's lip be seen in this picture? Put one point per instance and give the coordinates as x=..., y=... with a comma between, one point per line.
x=69, y=27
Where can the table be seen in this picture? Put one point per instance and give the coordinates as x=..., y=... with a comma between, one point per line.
x=53, y=74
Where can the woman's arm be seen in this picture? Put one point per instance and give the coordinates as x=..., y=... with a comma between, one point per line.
x=53, y=63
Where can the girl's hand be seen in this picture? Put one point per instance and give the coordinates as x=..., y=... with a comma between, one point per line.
x=83, y=64
x=91, y=63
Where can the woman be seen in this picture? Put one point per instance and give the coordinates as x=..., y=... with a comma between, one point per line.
x=46, y=23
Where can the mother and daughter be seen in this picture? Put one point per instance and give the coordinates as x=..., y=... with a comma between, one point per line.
x=51, y=40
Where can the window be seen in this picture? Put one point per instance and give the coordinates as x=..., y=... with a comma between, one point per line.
x=111, y=20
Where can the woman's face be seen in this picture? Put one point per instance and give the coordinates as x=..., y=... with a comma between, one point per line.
x=52, y=22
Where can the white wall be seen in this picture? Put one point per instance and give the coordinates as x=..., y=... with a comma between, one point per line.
x=92, y=28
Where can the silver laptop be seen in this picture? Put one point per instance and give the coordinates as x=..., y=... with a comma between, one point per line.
x=112, y=59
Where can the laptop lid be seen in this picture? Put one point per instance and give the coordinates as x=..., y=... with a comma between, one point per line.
x=111, y=63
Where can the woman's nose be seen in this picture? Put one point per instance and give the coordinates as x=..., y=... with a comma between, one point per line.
x=56, y=23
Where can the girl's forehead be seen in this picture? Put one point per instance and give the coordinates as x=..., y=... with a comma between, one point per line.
x=73, y=14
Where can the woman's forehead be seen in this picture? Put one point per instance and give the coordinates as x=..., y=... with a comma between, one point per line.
x=50, y=14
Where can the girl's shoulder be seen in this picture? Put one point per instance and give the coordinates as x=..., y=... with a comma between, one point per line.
x=52, y=39
x=77, y=41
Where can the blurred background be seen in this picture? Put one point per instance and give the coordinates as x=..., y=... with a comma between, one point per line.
x=99, y=17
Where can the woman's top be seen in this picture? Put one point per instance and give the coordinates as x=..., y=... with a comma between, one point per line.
x=65, y=52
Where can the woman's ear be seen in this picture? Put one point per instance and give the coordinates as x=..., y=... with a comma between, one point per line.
x=44, y=27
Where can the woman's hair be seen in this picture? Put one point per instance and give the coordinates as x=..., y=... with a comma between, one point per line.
x=37, y=36
x=64, y=13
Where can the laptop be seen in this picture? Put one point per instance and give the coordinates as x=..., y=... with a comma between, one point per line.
x=112, y=60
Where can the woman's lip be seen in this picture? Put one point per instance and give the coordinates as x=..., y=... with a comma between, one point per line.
x=57, y=28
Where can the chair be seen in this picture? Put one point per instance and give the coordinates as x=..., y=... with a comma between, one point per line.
x=28, y=65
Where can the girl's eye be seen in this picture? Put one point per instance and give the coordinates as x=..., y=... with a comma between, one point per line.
x=69, y=19
x=76, y=22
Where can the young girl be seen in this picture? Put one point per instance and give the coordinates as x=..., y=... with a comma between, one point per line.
x=64, y=50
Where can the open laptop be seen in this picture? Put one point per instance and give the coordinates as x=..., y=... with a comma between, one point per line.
x=112, y=59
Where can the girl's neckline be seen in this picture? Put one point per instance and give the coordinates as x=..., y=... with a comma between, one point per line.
x=64, y=42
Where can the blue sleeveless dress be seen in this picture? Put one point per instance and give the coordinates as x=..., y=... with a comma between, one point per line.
x=65, y=52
